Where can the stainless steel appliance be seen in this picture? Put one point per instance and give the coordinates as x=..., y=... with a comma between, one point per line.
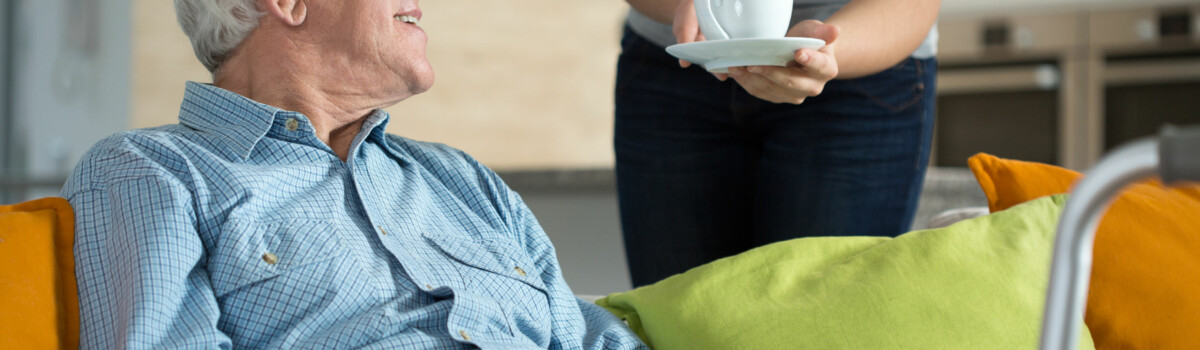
x=1151, y=69
x=1061, y=85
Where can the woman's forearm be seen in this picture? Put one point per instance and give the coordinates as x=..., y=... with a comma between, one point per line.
x=877, y=34
x=659, y=10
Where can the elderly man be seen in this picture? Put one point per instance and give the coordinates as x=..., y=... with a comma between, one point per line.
x=278, y=214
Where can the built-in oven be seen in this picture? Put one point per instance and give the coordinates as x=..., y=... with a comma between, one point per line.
x=1001, y=87
x=1151, y=69
x=1010, y=109
x=1063, y=85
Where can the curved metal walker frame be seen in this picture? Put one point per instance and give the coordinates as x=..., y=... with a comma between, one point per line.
x=1175, y=155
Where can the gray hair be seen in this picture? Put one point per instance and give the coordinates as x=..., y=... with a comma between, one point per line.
x=216, y=27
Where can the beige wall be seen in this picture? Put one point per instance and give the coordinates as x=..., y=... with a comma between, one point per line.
x=513, y=89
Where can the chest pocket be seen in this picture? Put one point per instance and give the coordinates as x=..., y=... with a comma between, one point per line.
x=251, y=252
x=498, y=258
x=502, y=271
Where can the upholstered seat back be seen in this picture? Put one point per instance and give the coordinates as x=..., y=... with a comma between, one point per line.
x=39, y=307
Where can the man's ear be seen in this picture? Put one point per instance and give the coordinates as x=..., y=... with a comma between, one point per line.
x=290, y=12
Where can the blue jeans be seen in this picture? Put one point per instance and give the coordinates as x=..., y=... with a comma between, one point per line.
x=705, y=170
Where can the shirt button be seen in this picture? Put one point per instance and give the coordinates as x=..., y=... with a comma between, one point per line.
x=520, y=271
x=381, y=230
x=292, y=124
x=429, y=287
x=271, y=259
x=464, y=335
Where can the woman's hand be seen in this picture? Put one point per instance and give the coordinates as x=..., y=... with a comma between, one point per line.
x=800, y=79
x=686, y=27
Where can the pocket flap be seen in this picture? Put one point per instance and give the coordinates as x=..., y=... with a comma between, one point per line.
x=499, y=257
x=249, y=251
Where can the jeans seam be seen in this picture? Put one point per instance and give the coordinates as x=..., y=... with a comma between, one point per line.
x=923, y=146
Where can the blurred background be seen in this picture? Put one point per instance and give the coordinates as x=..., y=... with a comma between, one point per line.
x=526, y=87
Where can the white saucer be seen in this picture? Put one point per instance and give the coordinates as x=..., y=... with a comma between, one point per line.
x=717, y=55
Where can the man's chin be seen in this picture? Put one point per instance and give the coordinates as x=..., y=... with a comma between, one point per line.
x=411, y=88
x=422, y=83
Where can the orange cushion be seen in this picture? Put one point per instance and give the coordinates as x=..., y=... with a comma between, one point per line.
x=37, y=276
x=1145, y=286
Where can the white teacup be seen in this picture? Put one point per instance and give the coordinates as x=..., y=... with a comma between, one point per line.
x=742, y=19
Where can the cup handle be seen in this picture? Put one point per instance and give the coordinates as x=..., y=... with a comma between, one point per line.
x=708, y=21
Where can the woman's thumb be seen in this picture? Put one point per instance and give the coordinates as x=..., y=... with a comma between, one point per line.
x=816, y=29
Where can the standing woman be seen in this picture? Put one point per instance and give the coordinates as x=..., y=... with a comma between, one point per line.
x=836, y=143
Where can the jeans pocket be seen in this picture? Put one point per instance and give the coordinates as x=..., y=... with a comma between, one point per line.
x=896, y=88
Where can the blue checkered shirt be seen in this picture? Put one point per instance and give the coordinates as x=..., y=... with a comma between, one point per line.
x=238, y=228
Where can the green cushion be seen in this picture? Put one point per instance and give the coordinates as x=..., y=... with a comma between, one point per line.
x=978, y=284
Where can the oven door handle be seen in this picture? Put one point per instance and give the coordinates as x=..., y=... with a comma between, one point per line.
x=998, y=79
x=1152, y=71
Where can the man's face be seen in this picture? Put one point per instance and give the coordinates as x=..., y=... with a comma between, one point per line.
x=372, y=43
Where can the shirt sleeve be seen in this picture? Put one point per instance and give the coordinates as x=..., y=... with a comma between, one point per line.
x=140, y=266
x=577, y=323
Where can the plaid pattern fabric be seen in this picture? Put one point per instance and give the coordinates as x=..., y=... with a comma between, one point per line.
x=239, y=228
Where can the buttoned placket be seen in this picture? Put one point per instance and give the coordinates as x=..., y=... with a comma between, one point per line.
x=359, y=180
x=362, y=179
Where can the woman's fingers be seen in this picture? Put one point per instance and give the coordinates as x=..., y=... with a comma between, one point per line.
x=760, y=86
x=800, y=79
x=818, y=65
x=721, y=76
x=686, y=27
x=793, y=81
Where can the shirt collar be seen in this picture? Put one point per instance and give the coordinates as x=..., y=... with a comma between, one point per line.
x=240, y=122
x=377, y=123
